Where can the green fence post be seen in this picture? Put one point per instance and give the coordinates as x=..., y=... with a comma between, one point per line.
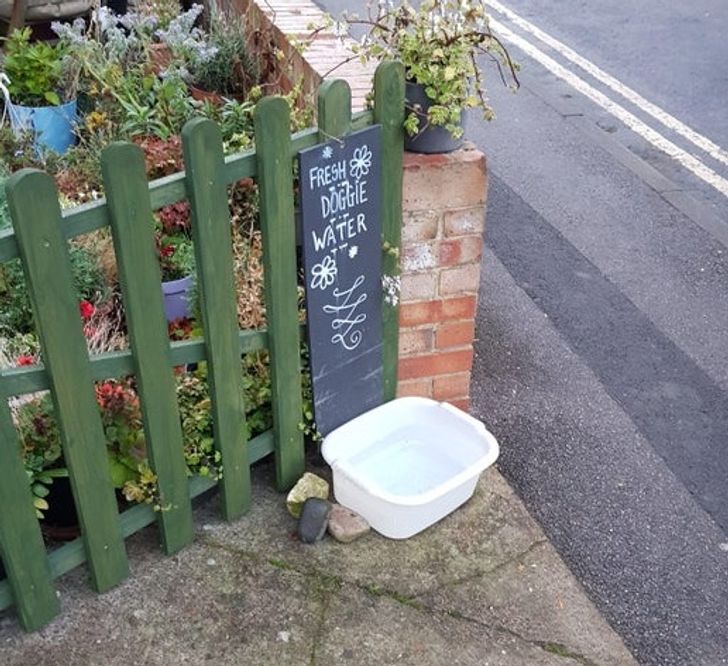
x=130, y=213
x=204, y=165
x=389, y=112
x=275, y=180
x=21, y=544
x=36, y=213
x=334, y=109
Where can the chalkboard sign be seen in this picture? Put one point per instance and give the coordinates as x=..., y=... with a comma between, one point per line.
x=340, y=186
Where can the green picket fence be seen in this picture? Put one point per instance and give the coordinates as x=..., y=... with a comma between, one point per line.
x=40, y=237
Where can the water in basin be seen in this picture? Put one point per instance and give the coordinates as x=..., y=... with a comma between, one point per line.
x=406, y=463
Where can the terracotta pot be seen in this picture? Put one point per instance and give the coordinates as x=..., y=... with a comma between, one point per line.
x=215, y=98
x=160, y=57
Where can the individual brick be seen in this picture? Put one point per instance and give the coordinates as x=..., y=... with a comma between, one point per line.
x=415, y=387
x=463, y=250
x=442, y=363
x=462, y=307
x=435, y=311
x=460, y=279
x=464, y=221
x=419, y=286
x=455, y=386
x=461, y=403
x=420, y=225
x=419, y=256
x=415, y=341
x=455, y=334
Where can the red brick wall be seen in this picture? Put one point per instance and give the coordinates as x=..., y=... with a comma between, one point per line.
x=444, y=216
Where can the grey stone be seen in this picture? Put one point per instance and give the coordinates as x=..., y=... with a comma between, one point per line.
x=345, y=525
x=314, y=520
x=309, y=485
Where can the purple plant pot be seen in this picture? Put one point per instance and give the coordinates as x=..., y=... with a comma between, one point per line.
x=176, y=295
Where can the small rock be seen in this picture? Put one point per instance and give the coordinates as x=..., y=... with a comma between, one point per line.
x=314, y=519
x=309, y=485
x=284, y=636
x=345, y=525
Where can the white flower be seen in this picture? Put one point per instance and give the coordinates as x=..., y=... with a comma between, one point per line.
x=353, y=251
x=327, y=153
x=361, y=162
x=324, y=273
x=391, y=285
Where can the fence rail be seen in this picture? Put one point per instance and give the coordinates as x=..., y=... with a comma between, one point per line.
x=41, y=232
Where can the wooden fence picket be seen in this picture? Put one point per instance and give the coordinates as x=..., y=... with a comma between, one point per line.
x=389, y=112
x=130, y=215
x=207, y=189
x=334, y=109
x=36, y=213
x=21, y=544
x=275, y=181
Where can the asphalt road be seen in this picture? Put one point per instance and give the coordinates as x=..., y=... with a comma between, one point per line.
x=602, y=353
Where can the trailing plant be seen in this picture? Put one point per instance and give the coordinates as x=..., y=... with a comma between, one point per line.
x=439, y=43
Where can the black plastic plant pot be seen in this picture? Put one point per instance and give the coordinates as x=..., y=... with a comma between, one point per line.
x=431, y=138
x=60, y=521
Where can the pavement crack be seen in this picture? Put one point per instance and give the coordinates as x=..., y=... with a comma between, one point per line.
x=326, y=588
x=552, y=647
x=327, y=585
x=487, y=572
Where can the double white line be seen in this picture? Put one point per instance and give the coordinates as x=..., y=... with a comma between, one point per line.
x=686, y=159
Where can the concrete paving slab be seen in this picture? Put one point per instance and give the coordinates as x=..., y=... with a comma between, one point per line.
x=481, y=587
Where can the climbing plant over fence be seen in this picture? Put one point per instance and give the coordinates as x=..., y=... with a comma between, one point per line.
x=41, y=232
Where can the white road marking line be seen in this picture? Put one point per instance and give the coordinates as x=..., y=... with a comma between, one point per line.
x=688, y=160
x=702, y=142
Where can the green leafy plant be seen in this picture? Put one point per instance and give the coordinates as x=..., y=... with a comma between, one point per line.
x=42, y=452
x=439, y=43
x=16, y=315
x=35, y=70
x=176, y=256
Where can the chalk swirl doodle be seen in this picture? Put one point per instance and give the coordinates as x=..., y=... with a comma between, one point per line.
x=346, y=320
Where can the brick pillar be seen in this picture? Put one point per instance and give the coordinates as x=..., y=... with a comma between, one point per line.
x=442, y=239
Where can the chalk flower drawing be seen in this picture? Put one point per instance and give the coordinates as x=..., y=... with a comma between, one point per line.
x=353, y=251
x=327, y=153
x=346, y=320
x=360, y=162
x=324, y=273
x=392, y=285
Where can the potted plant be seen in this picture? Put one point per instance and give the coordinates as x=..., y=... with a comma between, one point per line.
x=176, y=260
x=439, y=44
x=39, y=85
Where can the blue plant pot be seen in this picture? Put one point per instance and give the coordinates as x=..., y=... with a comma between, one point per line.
x=177, y=297
x=52, y=126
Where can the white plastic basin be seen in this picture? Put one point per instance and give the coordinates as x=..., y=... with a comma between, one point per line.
x=408, y=463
